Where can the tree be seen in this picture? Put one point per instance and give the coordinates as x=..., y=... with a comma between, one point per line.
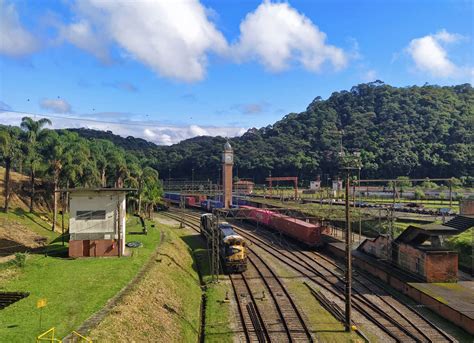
x=151, y=189
x=9, y=151
x=100, y=150
x=403, y=182
x=419, y=194
x=55, y=146
x=34, y=132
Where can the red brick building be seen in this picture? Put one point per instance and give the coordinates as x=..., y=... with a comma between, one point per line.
x=419, y=249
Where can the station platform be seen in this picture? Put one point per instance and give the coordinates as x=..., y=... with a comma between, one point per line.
x=458, y=295
x=453, y=301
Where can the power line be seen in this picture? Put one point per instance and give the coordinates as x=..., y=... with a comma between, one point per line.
x=77, y=118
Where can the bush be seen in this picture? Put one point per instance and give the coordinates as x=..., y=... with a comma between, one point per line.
x=20, y=259
x=419, y=194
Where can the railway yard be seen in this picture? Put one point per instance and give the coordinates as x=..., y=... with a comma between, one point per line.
x=265, y=309
x=222, y=267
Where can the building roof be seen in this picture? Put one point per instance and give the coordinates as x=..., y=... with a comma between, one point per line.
x=96, y=189
x=416, y=235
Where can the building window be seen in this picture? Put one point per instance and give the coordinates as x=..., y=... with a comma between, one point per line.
x=88, y=215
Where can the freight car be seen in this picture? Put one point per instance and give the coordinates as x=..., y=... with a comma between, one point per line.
x=239, y=201
x=172, y=197
x=232, y=247
x=307, y=233
x=190, y=200
x=209, y=205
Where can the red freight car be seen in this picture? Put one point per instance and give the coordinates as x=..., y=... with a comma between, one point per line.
x=298, y=229
x=307, y=233
x=190, y=201
x=259, y=215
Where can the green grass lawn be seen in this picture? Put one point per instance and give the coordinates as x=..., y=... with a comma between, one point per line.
x=32, y=221
x=218, y=312
x=74, y=289
x=464, y=244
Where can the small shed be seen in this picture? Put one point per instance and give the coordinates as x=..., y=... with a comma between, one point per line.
x=244, y=187
x=97, y=221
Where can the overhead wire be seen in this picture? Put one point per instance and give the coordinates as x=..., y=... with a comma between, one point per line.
x=78, y=118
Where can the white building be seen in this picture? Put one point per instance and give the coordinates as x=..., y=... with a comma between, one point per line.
x=97, y=221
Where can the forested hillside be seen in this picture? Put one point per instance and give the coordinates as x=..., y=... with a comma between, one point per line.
x=416, y=131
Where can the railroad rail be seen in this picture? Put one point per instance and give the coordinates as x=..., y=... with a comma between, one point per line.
x=267, y=311
x=371, y=300
x=392, y=316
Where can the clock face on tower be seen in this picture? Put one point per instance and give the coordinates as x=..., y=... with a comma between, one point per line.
x=228, y=158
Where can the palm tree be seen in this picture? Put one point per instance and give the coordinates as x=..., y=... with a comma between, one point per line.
x=55, y=146
x=9, y=150
x=150, y=189
x=34, y=130
x=100, y=150
x=117, y=167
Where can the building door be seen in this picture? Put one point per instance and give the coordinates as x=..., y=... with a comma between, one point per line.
x=86, y=246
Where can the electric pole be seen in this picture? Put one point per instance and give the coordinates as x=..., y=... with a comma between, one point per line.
x=348, y=257
x=348, y=162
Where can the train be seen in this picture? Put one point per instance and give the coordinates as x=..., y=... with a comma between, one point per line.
x=196, y=201
x=232, y=246
x=307, y=233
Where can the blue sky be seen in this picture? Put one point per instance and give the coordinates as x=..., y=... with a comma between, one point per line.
x=166, y=71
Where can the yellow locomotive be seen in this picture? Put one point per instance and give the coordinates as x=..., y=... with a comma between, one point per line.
x=232, y=246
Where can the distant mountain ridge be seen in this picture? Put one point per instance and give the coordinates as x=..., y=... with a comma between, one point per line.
x=416, y=131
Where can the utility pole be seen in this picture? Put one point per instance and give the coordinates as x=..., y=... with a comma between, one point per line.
x=119, y=226
x=348, y=162
x=215, y=247
x=348, y=258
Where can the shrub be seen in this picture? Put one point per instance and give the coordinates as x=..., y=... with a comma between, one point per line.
x=419, y=194
x=20, y=259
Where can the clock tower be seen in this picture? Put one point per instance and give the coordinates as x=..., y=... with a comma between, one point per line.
x=227, y=164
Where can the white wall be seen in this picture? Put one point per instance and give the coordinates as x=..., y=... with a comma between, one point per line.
x=97, y=228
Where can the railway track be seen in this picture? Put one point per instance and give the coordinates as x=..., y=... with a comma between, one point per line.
x=398, y=321
x=267, y=311
x=371, y=300
x=423, y=329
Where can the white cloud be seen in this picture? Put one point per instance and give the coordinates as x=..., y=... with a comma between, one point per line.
x=251, y=108
x=154, y=132
x=83, y=36
x=171, y=39
x=15, y=40
x=276, y=35
x=56, y=105
x=369, y=75
x=430, y=55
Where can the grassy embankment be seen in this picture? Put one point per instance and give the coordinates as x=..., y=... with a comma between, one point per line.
x=464, y=244
x=165, y=306
x=74, y=289
x=218, y=311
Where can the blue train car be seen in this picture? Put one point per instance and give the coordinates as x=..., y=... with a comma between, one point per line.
x=172, y=197
x=205, y=205
x=236, y=200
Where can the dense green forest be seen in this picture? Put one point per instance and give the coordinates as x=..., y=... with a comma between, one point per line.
x=64, y=159
x=414, y=131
